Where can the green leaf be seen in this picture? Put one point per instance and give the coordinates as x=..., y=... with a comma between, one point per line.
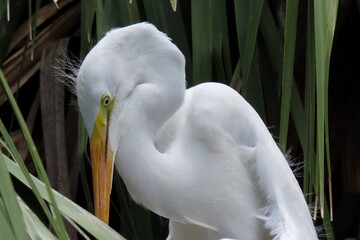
x=87, y=18
x=220, y=42
x=201, y=44
x=129, y=13
x=247, y=15
x=6, y=228
x=324, y=21
x=274, y=46
x=287, y=69
x=173, y=4
x=56, y=221
x=34, y=226
x=107, y=13
x=9, y=198
x=82, y=143
x=309, y=152
x=10, y=147
x=126, y=217
x=83, y=218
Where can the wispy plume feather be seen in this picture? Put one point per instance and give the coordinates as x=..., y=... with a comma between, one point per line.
x=66, y=70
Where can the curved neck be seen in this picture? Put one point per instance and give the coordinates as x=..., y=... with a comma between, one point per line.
x=147, y=173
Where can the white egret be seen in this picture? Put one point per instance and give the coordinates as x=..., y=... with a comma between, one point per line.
x=201, y=157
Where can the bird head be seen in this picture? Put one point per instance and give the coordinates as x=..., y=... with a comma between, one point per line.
x=134, y=75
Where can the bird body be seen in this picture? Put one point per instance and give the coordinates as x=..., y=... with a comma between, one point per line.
x=201, y=157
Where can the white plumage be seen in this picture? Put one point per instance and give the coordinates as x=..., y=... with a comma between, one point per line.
x=201, y=157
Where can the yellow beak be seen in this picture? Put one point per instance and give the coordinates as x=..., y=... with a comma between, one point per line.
x=102, y=162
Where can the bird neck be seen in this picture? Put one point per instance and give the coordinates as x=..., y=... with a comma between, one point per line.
x=147, y=173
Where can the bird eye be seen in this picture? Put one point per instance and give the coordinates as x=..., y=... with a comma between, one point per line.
x=106, y=100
